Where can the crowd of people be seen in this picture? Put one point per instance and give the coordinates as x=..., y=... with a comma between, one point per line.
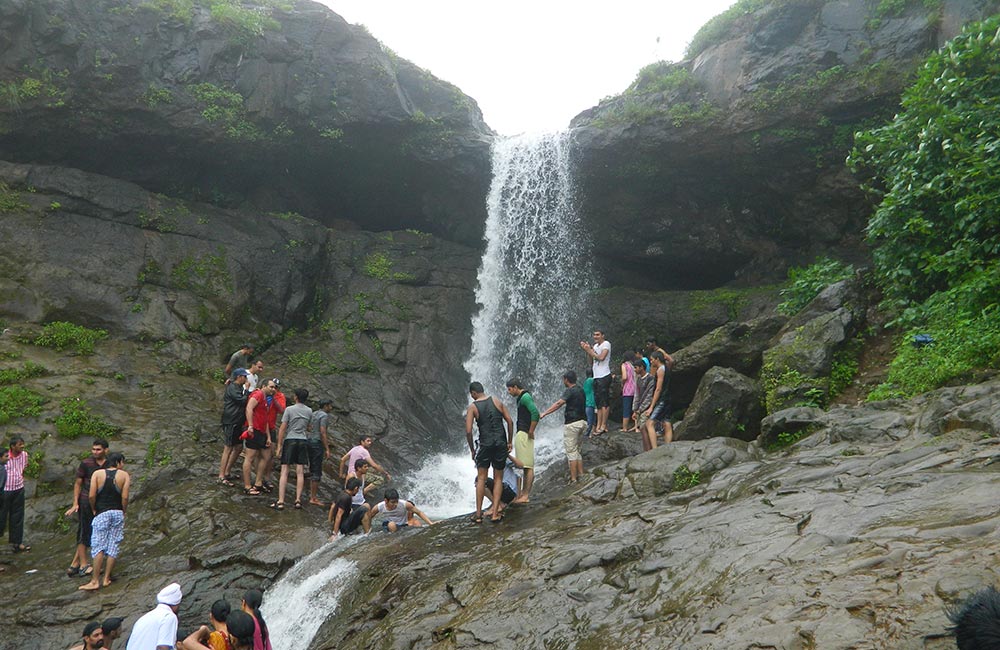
x=508, y=447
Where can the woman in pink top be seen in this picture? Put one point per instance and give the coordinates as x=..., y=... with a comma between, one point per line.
x=251, y=605
x=628, y=390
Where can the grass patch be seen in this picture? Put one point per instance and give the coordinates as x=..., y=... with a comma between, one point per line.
x=78, y=420
x=686, y=478
x=10, y=200
x=30, y=370
x=19, y=402
x=378, y=265
x=805, y=283
x=59, y=335
x=227, y=109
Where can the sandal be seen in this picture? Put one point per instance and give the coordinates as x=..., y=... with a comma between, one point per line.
x=252, y=491
x=298, y=505
x=20, y=548
x=267, y=487
x=277, y=505
x=87, y=571
x=477, y=519
x=225, y=481
x=73, y=571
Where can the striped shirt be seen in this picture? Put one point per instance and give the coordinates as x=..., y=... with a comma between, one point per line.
x=15, y=472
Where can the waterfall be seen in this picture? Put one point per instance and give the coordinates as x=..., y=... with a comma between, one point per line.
x=532, y=283
x=534, y=271
x=530, y=293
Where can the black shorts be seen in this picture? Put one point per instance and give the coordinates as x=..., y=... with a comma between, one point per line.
x=316, y=455
x=257, y=439
x=85, y=529
x=661, y=412
x=506, y=496
x=295, y=452
x=231, y=434
x=602, y=392
x=350, y=523
x=494, y=455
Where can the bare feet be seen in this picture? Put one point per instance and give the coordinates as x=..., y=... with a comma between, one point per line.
x=520, y=500
x=106, y=583
x=93, y=585
x=316, y=502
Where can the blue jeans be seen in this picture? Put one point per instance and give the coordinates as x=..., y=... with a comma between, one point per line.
x=591, y=417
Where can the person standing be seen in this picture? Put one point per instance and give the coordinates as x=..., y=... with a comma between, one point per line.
x=645, y=384
x=239, y=359
x=12, y=503
x=628, y=389
x=574, y=423
x=600, y=353
x=658, y=412
x=108, y=500
x=277, y=403
x=254, y=371
x=490, y=415
x=319, y=448
x=258, y=440
x=234, y=406
x=524, y=439
x=652, y=346
x=293, y=447
x=81, y=506
x=252, y=600
x=157, y=628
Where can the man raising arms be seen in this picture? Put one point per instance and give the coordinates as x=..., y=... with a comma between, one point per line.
x=524, y=439
x=489, y=414
x=600, y=352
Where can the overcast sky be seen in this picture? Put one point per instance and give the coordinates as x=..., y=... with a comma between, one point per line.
x=532, y=66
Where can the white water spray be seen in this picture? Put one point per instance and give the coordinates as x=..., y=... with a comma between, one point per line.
x=532, y=281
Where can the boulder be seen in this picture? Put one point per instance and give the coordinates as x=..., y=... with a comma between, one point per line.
x=727, y=404
x=280, y=108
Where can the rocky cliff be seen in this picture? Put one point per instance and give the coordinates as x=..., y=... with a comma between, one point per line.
x=728, y=166
x=274, y=106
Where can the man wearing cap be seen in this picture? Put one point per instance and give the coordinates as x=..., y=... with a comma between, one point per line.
x=234, y=406
x=319, y=448
x=93, y=637
x=239, y=359
x=157, y=629
x=112, y=630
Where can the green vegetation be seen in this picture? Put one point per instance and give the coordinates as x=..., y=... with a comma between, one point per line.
x=78, y=420
x=720, y=27
x=663, y=76
x=805, y=283
x=935, y=234
x=331, y=133
x=28, y=371
x=163, y=214
x=154, y=96
x=787, y=439
x=378, y=265
x=206, y=275
x=34, y=467
x=19, y=402
x=635, y=109
x=226, y=107
x=10, y=200
x=287, y=216
x=246, y=24
x=43, y=87
x=156, y=456
x=182, y=10
x=685, y=478
x=844, y=368
x=893, y=8
x=61, y=334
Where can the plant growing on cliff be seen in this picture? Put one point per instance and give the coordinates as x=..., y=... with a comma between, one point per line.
x=30, y=370
x=226, y=107
x=78, y=420
x=244, y=24
x=686, y=478
x=62, y=334
x=19, y=402
x=10, y=200
x=935, y=234
x=805, y=283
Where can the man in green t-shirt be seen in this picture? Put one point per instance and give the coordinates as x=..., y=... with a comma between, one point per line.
x=524, y=439
x=591, y=405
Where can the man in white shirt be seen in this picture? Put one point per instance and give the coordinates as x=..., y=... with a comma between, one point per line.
x=254, y=372
x=600, y=352
x=157, y=629
x=399, y=513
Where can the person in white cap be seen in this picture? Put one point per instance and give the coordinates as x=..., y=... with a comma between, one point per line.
x=157, y=629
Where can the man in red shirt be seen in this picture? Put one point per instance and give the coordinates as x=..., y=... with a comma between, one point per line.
x=81, y=506
x=12, y=504
x=278, y=404
x=258, y=436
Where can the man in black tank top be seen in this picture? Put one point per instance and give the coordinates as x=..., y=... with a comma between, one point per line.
x=108, y=500
x=495, y=443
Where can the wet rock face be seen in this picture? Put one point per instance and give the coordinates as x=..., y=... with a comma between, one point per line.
x=378, y=323
x=726, y=404
x=294, y=111
x=730, y=166
x=809, y=548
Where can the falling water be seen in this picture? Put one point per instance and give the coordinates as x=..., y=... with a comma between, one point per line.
x=530, y=294
x=534, y=270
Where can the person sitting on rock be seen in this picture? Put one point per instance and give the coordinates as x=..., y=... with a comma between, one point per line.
x=508, y=494
x=239, y=635
x=399, y=513
x=344, y=516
